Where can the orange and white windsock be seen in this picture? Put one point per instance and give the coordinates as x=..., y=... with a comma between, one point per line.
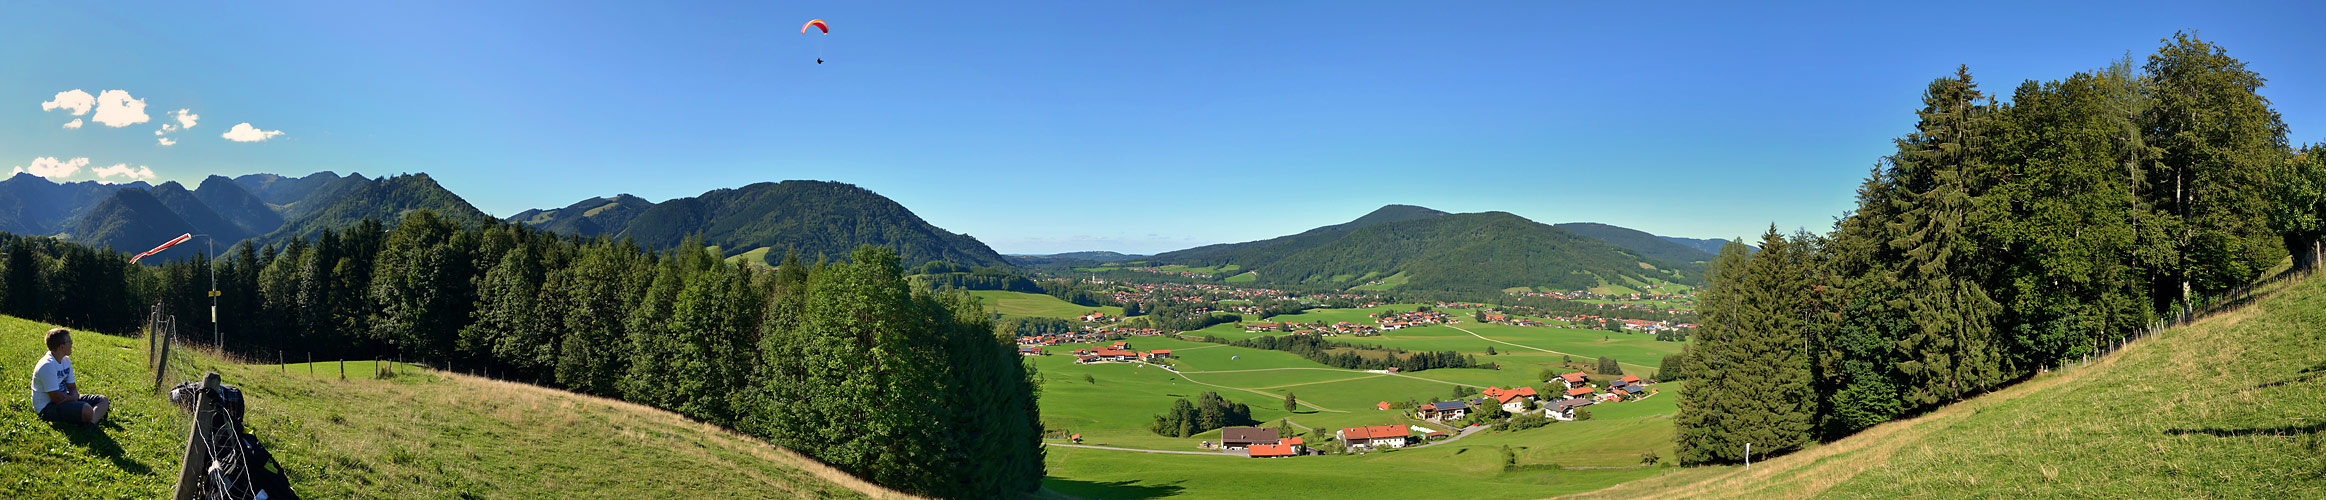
x=165, y=246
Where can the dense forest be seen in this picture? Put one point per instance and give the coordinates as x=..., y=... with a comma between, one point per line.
x=844, y=362
x=2002, y=239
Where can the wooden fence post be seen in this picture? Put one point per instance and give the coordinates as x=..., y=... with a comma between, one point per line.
x=197, y=460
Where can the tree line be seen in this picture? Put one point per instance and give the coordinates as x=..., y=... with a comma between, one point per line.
x=1210, y=411
x=1999, y=240
x=846, y=362
x=1318, y=349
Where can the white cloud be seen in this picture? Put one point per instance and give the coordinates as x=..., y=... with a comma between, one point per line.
x=165, y=141
x=75, y=100
x=165, y=129
x=243, y=132
x=123, y=171
x=115, y=108
x=185, y=118
x=53, y=168
x=76, y=123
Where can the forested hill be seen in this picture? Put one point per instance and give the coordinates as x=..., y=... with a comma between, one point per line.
x=349, y=200
x=1257, y=253
x=813, y=217
x=1709, y=246
x=1646, y=245
x=1479, y=251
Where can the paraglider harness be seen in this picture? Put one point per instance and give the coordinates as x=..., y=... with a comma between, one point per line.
x=222, y=461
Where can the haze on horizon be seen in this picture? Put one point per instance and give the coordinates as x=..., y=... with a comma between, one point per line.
x=1062, y=126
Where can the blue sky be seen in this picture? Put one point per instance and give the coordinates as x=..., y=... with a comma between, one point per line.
x=1059, y=126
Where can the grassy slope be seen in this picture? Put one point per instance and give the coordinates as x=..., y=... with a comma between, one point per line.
x=417, y=435
x=2227, y=407
x=1038, y=305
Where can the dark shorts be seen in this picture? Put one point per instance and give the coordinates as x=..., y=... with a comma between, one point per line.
x=70, y=411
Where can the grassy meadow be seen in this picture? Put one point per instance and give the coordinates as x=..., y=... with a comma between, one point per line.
x=1036, y=305
x=418, y=434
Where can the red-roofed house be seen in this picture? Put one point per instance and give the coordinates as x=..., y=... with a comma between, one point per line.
x=1273, y=450
x=1096, y=316
x=1155, y=355
x=1513, y=400
x=1627, y=379
x=1573, y=380
x=1384, y=406
x=1393, y=436
x=1580, y=392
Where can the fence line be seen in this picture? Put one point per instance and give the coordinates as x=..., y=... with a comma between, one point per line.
x=2204, y=307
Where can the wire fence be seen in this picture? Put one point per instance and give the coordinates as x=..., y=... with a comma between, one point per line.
x=2189, y=312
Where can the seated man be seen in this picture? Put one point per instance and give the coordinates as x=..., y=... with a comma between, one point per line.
x=56, y=395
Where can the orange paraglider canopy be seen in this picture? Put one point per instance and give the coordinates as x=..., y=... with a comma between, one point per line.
x=817, y=24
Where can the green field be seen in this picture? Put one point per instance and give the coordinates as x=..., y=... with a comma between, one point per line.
x=1117, y=403
x=1036, y=305
x=1393, y=281
x=416, y=435
x=1639, y=353
x=2226, y=407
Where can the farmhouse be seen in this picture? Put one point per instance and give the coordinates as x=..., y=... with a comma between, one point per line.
x=1580, y=392
x=1031, y=351
x=1573, y=380
x=1237, y=438
x=1384, y=406
x=1155, y=355
x=1096, y=317
x=1442, y=411
x=1378, y=436
x=1512, y=400
x=1564, y=409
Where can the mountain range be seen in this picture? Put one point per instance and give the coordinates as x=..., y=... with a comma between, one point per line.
x=1425, y=248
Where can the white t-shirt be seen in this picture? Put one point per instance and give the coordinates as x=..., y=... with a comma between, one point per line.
x=50, y=375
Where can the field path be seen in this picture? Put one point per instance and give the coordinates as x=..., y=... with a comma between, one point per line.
x=1254, y=391
x=1643, y=368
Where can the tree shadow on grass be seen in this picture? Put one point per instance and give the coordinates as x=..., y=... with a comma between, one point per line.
x=2254, y=431
x=2307, y=374
x=1112, y=490
x=100, y=443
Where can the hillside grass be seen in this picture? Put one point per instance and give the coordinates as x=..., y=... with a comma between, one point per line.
x=2226, y=407
x=1036, y=305
x=419, y=434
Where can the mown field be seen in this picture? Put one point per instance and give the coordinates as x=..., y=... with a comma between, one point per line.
x=2227, y=407
x=419, y=434
x=1036, y=305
